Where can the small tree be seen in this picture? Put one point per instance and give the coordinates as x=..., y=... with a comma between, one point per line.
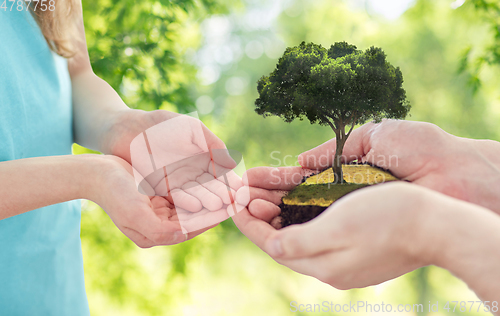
x=339, y=87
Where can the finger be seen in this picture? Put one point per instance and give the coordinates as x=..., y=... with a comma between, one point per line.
x=204, y=219
x=182, y=199
x=169, y=233
x=209, y=200
x=180, y=171
x=179, y=177
x=262, y=234
x=283, y=178
x=226, y=176
x=305, y=240
x=142, y=241
x=255, y=229
x=234, y=208
x=356, y=146
x=216, y=146
x=264, y=210
x=277, y=222
x=155, y=220
x=246, y=194
x=212, y=141
x=159, y=232
x=199, y=161
x=215, y=186
x=225, y=158
x=139, y=239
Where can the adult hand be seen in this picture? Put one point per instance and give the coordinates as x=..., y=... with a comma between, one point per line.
x=265, y=186
x=368, y=237
x=423, y=154
x=347, y=245
x=381, y=232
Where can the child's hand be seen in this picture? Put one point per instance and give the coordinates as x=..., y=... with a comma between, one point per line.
x=181, y=159
x=147, y=220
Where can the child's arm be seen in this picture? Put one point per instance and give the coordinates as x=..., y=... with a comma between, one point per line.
x=96, y=106
x=28, y=184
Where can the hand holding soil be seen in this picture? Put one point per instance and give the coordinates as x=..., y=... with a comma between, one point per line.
x=370, y=234
x=417, y=152
x=350, y=245
x=381, y=232
x=424, y=154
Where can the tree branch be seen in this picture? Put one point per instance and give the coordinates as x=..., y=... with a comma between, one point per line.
x=330, y=123
x=352, y=127
x=327, y=117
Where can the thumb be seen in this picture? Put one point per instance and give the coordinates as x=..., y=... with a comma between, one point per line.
x=320, y=157
x=211, y=139
x=304, y=240
x=356, y=146
x=218, y=151
x=227, y=158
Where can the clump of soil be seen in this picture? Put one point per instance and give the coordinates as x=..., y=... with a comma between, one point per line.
x=297, y=214
x=317, y=192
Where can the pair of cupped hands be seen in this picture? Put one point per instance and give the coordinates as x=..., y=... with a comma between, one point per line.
x=367, y=237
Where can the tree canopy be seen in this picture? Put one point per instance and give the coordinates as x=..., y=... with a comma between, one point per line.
x=340, y=86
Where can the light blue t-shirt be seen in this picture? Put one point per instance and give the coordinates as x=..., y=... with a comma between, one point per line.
x=41, y=266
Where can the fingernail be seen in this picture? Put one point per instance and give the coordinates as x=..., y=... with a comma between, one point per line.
x=300, y=160
x=275, y=248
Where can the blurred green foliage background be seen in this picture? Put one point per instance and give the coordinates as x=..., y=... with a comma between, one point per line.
x=207, y=55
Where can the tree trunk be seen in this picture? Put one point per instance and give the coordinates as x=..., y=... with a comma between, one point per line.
x=337, y=161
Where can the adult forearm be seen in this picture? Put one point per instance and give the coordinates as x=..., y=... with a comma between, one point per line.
x=28, y=184
x=96, y=109
x=472, y=172
x=470, y=250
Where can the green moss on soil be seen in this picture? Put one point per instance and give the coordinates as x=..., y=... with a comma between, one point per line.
x=319, y=194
